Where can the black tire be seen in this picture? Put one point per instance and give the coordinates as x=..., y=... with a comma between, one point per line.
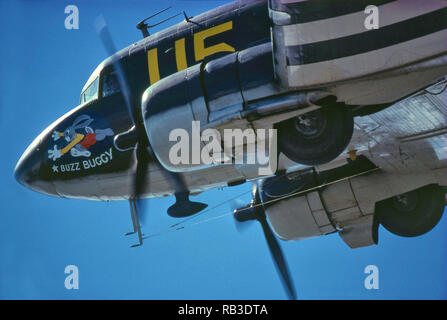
x=413, y=213
x=316, y=137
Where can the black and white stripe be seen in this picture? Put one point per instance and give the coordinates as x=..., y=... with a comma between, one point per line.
x=383, y=37
x=314, y=10
x=326, y=41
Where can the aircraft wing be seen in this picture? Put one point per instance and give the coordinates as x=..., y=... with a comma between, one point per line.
x=408, y=145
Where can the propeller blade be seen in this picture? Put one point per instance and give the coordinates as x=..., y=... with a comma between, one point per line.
x=140, y=179
x=143, y=153
x=274, y=247
x=104, y=34
x=242, y=226
x=141, y=156
x=278, y=258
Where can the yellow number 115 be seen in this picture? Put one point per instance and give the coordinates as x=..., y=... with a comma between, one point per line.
x=200, y=51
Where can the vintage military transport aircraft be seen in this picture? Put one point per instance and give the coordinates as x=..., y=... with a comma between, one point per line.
x=361, y=137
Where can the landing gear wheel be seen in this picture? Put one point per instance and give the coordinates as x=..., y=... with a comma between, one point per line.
x=413, y=213
x=316, y=137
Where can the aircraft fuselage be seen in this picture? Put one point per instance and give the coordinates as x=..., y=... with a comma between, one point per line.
x=102, y=172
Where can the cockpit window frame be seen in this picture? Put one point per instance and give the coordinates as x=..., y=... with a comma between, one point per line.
x=95, y=97
x=98, y=74
x=95, y=75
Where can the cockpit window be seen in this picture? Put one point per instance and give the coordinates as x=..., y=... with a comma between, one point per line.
x=110, y=84
x=91, y=92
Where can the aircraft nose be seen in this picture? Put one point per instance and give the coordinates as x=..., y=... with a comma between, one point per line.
x=27, y=170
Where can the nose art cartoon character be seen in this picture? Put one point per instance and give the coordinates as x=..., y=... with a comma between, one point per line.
x=80, y=137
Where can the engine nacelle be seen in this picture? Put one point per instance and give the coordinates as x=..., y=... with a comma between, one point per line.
x=205, y=92
x=302, y=205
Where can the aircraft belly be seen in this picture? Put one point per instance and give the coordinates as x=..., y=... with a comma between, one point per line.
x=86, y=187
x=118, y=185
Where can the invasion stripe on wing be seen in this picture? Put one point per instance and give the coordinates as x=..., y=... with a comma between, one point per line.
x=363, y=64
x=307, y=11
x=368, y=41
x=347, y=25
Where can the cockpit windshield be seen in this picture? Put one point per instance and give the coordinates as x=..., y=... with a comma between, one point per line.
x=91, y=92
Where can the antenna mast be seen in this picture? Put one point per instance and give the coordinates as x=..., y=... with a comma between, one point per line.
x=145, y=27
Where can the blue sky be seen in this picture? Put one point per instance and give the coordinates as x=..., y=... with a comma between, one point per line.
x=43, y=67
